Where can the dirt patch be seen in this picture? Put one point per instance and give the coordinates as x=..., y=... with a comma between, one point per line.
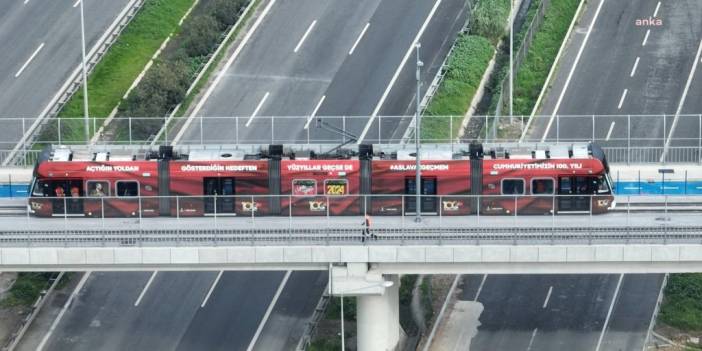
x=674, y=339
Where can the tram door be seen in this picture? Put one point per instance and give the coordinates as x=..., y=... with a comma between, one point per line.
x=429, y=203
x=219, y=193
x=574, y=194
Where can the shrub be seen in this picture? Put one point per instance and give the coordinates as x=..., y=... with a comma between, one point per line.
x=200, y=35
x=226, y=12
x=27, y=288
x=682, y=306
x=489, y=19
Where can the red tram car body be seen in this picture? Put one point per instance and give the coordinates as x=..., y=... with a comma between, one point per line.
x=276, y=183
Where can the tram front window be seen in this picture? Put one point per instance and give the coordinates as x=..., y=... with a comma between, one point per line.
x=602, y=185
x=41, y=189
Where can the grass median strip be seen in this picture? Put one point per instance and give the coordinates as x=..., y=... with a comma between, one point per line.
x=466, y=67
x=115, y=73
x=542, y=54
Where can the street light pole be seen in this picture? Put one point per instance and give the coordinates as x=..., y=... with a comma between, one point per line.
x=343, y=335
x=511, y=58
x=85, y=76
x=417, y=132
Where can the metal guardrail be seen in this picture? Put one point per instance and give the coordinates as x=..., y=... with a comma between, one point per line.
x=657, y=218
x=617, y=132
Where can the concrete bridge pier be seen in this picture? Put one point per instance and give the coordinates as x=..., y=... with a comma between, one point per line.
x=377, y=305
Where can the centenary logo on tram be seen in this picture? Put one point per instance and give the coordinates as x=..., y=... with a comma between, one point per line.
x=249, y=206
x=318, y=206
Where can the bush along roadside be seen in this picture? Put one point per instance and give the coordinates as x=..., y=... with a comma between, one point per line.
x=682, y=305
x=464, y=71
x=541, y=55
x=121, y=65
x=164, y=86
x=27, y=288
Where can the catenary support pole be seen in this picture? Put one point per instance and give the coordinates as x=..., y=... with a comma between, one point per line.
x=85, y=76
x=417, y=134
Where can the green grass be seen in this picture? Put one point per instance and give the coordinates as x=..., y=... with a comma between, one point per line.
x=328, y=344
x=542, y=54
x=124, y=61
x=489, y=19
x=494, y=86
x=26, y=289
x=682, y=306
x=333, y=311
x=466, y=67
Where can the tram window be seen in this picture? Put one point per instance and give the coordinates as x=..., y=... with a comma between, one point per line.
x=42, y=188
x=513, y=186
x=336, y=187
x=127, y=188
x=304, y=187
x=543, y=186
x=98, y=188
x=602, y=186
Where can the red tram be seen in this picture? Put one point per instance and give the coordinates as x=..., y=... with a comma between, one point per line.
x=273, y=182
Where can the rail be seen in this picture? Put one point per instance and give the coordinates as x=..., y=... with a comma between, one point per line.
x=635, y=218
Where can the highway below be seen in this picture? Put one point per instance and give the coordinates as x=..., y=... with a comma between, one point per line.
x=555, y=312
x=41, y=42
x=343, y=59
x=299, y=52
x=627, y=69
x=612, y=66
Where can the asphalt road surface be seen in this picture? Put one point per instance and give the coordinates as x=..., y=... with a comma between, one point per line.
x=558, y=312
x=592, y=80
x=629, y=69
x=302, y=50
x=41, y=43
x=338, y=59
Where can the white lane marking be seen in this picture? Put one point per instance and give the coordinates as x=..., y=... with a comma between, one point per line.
x=363, y=32
x=75, y=292
x=548, y=297
x=609, y=313
x=258, y=107
x=223, y=72
x=655, y=13
x=633, y=69
x=682, y=102
x=207, y=297
x=621, y=100
x=268, y=311
x=26, y=63
x=611, y=128
x=397, y=72
x=572, y=71
x=304, y=36
x=533, y=336
x=480, y=288
x=314, y=112
x=76, y=3
x=648, y=31
x=146, y=287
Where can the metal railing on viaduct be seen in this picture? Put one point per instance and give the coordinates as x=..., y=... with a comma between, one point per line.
x=641, y=234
